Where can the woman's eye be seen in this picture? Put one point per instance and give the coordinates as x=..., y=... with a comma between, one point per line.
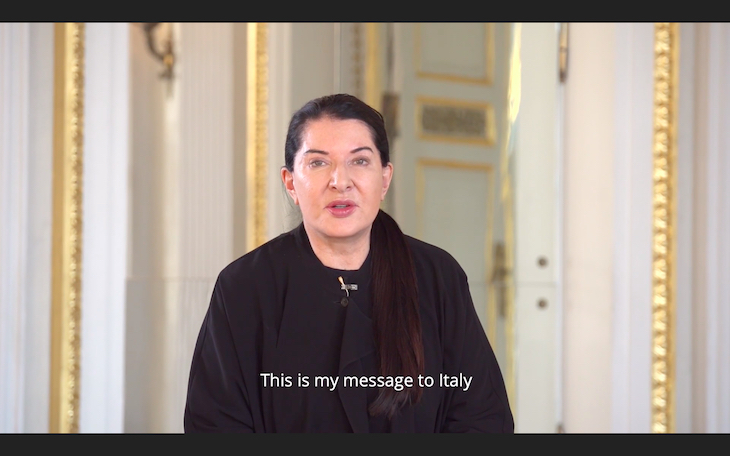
x=361, y=161
x=316, y=163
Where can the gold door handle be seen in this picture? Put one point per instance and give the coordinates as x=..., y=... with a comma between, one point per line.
x=500, y=276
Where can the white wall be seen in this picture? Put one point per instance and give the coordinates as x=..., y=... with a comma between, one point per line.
x=632, y=187
x=588, y=234
x=686, y=157
x=14, y=192
x=711, y=230
x=182, y=210
x=145, y=298
x=37, y=361
x=26, y=158
x=104, y=232
x=537, y=188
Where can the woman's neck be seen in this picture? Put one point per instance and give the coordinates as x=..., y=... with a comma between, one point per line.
x=340, y=253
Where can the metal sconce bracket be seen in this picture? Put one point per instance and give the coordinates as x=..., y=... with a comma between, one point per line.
x=167, y=56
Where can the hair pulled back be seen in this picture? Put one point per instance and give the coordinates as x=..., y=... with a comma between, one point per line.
x=396, y=317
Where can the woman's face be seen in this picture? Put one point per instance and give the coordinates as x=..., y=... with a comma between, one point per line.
x=338, y=180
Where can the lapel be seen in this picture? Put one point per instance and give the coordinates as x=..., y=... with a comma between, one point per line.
x=357, y=342
x=404, y=421
x=357, y=339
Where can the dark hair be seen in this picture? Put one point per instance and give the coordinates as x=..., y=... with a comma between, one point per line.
x=396, y=317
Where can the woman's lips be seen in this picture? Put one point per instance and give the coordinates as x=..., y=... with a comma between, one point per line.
x=341, y=208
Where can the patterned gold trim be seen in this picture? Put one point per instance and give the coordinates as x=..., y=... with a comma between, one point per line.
x=489, y=70
x=489, y=128
x=373, y=70
x=67, y=223
x=666, y=48
x=257, y=135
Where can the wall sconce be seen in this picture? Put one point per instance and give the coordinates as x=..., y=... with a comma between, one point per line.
x=167, y=57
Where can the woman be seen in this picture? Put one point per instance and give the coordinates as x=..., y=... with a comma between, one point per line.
x=320, y=329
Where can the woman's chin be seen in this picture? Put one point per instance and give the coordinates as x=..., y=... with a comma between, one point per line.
x=340, y=229
x=344, y=232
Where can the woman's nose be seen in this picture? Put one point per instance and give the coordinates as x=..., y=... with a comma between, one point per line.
x=340, y=178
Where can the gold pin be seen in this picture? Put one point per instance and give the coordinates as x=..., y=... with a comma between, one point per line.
x=346, y=287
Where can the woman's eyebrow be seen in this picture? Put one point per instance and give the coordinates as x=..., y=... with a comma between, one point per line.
x=316, y=151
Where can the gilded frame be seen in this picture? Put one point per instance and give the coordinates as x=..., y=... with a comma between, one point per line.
x=68, y=139
x=257, y=133
x=664, y=214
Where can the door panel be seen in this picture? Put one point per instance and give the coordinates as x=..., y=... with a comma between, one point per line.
x=452, y=83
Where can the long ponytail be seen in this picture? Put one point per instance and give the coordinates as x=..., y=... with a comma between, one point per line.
x=396, y=316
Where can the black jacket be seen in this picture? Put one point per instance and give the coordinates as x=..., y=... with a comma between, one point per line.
x=278, y=310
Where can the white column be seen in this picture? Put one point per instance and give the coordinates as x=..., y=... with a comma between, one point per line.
x=711, y=314
x=684, y=265
x=199, y=192
x=588, y=227
x=182, y=213
x=40, y=208
x=105, y=240
x=14, y=193
x=26, y=158
x=144, y=317
x=633, y=92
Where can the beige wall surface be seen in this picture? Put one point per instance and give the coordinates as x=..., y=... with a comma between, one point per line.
x=588, y=222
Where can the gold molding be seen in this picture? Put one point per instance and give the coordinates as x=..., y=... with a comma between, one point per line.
x=357, y=58
x=421, y=163
x=257, y=136
x=490, y=127
x=511, y=110
x=68, y=134
x=489, y=60
x=666, y=66
x=373, y=66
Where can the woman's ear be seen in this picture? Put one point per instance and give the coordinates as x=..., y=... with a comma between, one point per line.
x=288, y=179
x=387, y=177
